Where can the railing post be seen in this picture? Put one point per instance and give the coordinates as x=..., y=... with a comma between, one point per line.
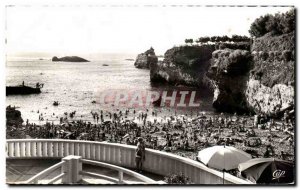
x=120, y=177
x=39, y=149
x=71, y=168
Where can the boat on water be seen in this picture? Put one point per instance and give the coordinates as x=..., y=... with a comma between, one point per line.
x=23, y=90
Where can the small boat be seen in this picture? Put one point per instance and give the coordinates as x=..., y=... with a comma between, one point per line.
x=22, y=90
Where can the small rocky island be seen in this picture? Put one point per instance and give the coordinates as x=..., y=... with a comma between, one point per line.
x=69, y=59
x=144, y=60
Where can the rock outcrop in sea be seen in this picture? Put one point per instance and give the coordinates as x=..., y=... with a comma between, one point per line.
x=69, y=59
x=13, y=116
x=144, y=60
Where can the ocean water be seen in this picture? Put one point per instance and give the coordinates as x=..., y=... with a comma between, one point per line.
x=75, y=86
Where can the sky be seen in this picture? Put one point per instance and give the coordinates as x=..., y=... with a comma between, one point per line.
x=66, y=30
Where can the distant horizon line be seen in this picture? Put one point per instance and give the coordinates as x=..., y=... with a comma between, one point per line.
x=52, y=54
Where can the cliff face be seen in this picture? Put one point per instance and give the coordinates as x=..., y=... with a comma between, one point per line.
x=144, y=60
x=270, y=88
x=186, y=65
x=260, y=81
x=229, y=73
x=270, y=100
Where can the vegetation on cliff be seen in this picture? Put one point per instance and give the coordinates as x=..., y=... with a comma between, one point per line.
x=274, y=54
x=223, y=42
x=216, y=39
x=185, y=65
x=188, y=57
x=279, y=43
x=231, y=62
x=274, y=67
x=277, y=24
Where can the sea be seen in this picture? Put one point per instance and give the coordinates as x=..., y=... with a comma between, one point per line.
x=77, y=85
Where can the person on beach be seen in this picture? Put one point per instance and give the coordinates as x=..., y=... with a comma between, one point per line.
x=140, y=155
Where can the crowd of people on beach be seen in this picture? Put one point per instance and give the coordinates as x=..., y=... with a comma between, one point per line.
x=179, y=134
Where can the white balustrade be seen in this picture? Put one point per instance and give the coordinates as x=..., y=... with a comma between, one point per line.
x=10, y=150
x=157, y=162
x=55, y=149
x=22, y=149
x=17, y=150
x=33, y=149
x=44, y=147
x=39, y=149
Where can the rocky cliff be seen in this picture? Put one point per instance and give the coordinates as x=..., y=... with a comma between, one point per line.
x=270, y=88
x=256, y=80
x=229, y=74
x=144, y=60
x=185, y=65
x=260, y=81
x=69, y=59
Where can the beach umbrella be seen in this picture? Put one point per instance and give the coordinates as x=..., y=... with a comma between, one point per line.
x=268, y=170
x=223, y=157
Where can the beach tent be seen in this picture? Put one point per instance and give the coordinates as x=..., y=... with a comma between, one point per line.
x=268, y=170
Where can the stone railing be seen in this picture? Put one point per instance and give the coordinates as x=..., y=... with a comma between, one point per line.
x=35, y=179
x=120, y=171
x=72, y=173
x=157, y=162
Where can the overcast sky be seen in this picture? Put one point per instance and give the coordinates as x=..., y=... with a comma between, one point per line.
x=87, y=30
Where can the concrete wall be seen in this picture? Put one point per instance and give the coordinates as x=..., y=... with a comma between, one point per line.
x=118, y=154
